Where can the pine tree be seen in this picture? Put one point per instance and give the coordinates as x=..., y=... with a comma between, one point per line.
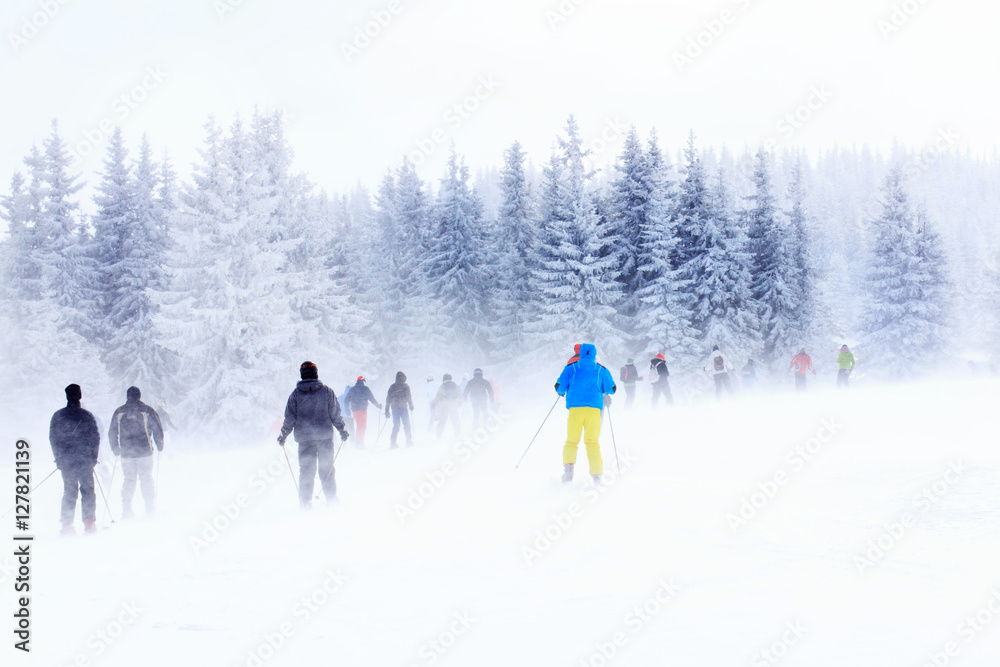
x=455, y=266
x=577, y=277
x=514, y=248
x=776, y=281
x=906, y=289
x=663, y=318
x=629, y=205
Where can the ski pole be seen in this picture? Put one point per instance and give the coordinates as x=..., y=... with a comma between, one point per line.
x=31, y=491
x=337, y=453
x=111, y=484
x=294, y=481
x=383, y=423
x=106, y=505
x=537, y=432
x=613, y=443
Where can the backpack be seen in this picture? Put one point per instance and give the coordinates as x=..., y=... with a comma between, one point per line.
x=623, y=376
x=719, y=363
x=133, y=427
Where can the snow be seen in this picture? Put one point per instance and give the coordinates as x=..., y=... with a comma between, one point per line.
x=455, y=571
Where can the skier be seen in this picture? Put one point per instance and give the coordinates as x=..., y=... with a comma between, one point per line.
x=628, y=376
x=165, y=421
x=75, y=441
x=479, y=393
x=348, y=415
x=448, y=403
x=661, y=385
x=360, y=397
x=720, y=367
x=749, y=375
x=846, y=362
x=584, y=384
x=430, y=391
x=399, y=400
x=312, y=412
x=135, y=428
x=801, y=363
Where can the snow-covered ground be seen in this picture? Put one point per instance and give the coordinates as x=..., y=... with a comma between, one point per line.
x=828, y=529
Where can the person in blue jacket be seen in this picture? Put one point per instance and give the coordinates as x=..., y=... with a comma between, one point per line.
x=584, y=384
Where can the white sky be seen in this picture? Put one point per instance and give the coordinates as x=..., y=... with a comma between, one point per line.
x=610, y=59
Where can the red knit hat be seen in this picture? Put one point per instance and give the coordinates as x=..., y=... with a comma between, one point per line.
x=660, y=356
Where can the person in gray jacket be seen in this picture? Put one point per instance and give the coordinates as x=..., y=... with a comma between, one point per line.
x=135, y=429
x=312, y=412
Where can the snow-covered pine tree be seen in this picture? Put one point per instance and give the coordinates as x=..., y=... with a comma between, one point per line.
x=935, y=288
x=798, y=237
x=716, y=272
x=514, y=246
x=628, y=204
x=577, y=278
x=663, y=322
x=904, y=289
x=455, y=267
x=776, y=281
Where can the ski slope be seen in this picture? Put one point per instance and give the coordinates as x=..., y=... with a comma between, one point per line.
x=825, y=529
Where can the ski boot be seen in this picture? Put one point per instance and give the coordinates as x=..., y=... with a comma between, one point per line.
x=567, y=473
x=67, y=529
x=597, y=479
x=90, y=526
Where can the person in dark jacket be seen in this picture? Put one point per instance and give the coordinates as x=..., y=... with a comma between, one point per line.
x=359, y=398
x=399, y=400
x=479, y=392
x=661, y=380
x=75, y=441
x=161, y=412
x=135, y=428
x=312, y=412
x=628, y=376
x=448, y=404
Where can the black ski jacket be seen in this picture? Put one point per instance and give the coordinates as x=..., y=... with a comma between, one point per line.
x=479, y=390
x=312, y=411
x=398, y=397
x=135, y=428
x=74, y=437
x=448, y=396
x=660, y=366
x=359, y=398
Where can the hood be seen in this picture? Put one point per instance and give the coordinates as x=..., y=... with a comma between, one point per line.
x=400, y=377
x=133, y=394
x=588, y=356
x=307, y=386
x=359, y=383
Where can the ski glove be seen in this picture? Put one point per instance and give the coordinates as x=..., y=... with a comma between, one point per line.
x=281, y=440
x=557, y=387
x=344, y=435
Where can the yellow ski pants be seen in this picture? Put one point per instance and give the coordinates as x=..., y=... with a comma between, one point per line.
x=586, y=422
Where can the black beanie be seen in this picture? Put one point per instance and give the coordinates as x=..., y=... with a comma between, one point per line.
x=308, y=371
x=133, y=394
x=73, y=392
